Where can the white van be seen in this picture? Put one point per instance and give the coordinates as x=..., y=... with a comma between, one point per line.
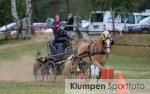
x=99, y=20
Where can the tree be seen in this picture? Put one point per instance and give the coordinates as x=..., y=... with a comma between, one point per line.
x=83, y=7
x=34, y=9
x=25, y=22
x=14, y=13
x=29, y=16
x=5, y=12
x=68, y=3
x=145, y=4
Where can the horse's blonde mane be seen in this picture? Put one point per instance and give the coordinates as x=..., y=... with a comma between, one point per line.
x=105, y=34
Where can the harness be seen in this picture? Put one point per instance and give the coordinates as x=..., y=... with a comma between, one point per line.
x=88, y=53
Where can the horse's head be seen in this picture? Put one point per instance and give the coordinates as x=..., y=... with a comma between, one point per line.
x=107, y=41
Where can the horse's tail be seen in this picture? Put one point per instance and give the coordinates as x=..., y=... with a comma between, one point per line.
x=67, y=67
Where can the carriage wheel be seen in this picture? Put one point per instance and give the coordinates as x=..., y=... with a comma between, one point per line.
x=52, y=72
x=80, y=72
x=40, y=75
x=38, y=71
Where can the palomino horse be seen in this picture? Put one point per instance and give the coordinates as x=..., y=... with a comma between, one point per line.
x=94, y=52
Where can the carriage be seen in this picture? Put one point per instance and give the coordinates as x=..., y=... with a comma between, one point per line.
x=48, y=67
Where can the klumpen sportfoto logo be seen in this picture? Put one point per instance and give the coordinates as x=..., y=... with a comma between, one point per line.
x=109, y=86
x=96, y=86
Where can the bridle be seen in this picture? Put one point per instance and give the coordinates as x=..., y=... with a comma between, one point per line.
x=106, y=36
x=111, y=42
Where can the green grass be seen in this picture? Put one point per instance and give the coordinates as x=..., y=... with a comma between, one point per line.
x=132, y=51
x=21, y=88
x=16, y=49
x=12, y=53
x=132, y=68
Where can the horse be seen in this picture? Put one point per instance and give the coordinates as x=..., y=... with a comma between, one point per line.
x=95, y=52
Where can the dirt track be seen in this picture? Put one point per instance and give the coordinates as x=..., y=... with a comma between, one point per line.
x=19, y=71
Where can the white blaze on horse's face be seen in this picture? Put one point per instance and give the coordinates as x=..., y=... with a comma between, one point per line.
x=107, y=50
x=107, y=41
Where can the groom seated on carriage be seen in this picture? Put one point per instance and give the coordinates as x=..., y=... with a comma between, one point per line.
x=61, y=39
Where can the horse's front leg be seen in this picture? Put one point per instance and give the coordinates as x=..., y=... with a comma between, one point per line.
x=86, y=70
x=96, y=63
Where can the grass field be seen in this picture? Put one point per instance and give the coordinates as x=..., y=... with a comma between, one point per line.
x=26, y=88
x=17, y=59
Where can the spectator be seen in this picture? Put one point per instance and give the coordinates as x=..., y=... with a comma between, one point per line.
x=56, y=22
x=70, y=21
x=50, y=21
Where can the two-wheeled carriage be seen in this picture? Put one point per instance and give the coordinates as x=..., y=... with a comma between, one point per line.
x=48, y=67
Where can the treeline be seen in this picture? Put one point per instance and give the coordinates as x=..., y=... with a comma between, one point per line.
x=44, y=8
x=5, y=11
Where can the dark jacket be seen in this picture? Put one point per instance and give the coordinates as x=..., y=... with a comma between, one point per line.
x=69, y=21
x=60, y=35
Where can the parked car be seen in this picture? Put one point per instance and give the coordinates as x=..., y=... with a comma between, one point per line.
x=8, y=28
x=42, y=28
x=12, y=28
x=142, y=27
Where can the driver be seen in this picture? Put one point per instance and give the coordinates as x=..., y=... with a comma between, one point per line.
x=60, y=34
x=61, y=39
